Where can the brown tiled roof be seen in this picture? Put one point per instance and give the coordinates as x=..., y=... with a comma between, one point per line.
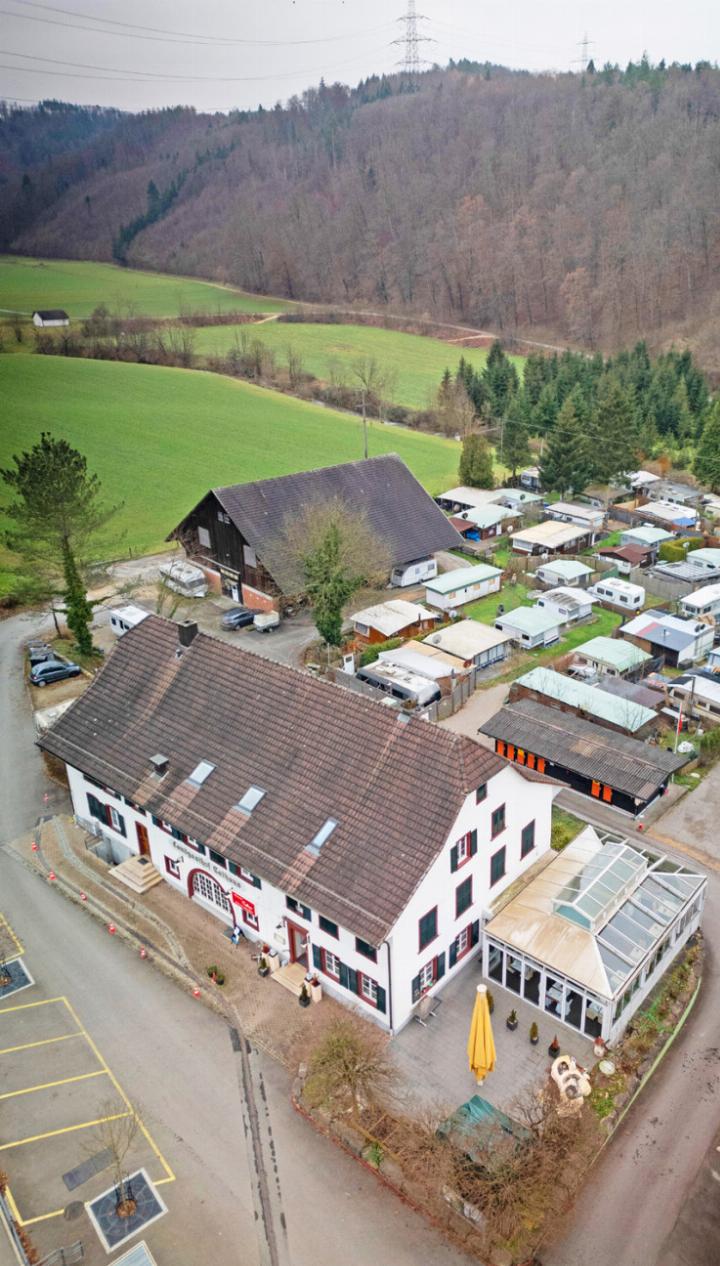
x=396, y=506
x=394, y=786
x=627, y=764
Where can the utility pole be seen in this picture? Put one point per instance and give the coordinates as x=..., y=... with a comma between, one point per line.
x=412, y=61
x=584, y=46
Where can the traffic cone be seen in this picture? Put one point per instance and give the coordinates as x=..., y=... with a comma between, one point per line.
x=112, y=929
x=196, y=992
x=52, y=875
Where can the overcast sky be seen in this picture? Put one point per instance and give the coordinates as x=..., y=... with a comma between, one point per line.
x=221, y=54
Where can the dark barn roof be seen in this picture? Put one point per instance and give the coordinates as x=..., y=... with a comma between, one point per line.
x=396, y=506
x=587, y=749
x=52, y=314
x=394, y=786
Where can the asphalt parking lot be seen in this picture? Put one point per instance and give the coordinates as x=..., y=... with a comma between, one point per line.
x=57, y=1090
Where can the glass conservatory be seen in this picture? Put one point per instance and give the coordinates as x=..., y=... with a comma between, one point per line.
x=590, y=936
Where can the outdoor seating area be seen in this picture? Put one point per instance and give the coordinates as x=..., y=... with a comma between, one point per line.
x=433, y=1059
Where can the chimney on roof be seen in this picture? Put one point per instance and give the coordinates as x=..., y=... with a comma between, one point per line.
x=160, y=765
x=187, y=632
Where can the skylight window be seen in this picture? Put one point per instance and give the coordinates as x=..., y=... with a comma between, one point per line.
x=322, y=836
x=251, y=799
x=201, y=773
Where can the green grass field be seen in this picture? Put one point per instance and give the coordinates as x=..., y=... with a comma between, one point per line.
x=417, y=362
x=159, y=438
x=79, y=286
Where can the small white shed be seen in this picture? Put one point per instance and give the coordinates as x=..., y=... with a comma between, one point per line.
x=464, y=584
x=45, y=317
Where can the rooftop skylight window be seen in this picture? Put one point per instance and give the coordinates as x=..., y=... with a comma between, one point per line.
x=250, y=800
x=322, y=836
x=201, y=773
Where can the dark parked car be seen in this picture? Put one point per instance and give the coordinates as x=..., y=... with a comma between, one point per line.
x=53, y=670
x=39, y=652
x=237, y=618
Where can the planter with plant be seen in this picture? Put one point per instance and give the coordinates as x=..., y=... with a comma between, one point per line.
x=554, y=1048
x=216, y=975
x=512, y=1021
x=534, y=1034
x=304, y=998
x=263, y=966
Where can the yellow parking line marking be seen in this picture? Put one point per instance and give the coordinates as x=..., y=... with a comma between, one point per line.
x=121, y=1092
x=46, y=1085
x=13, y=1207
x=46, y=1041
x=66, y=1129
x=25, y=1006
x=19, y=948
x=42, y=1217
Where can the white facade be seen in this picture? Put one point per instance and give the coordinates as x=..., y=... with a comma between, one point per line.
x=41, y=321
x=122, y=619
x=465, y=584
x=702, y=602
x=401, y=970
x=569, y=605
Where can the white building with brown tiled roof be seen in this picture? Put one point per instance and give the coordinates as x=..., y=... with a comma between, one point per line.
x=360, y=844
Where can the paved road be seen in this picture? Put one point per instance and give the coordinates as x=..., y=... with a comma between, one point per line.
x=177, y=1059
x=633, y=1208
x=23, y=781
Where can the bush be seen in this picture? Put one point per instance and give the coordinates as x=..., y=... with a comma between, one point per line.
x=370, y=654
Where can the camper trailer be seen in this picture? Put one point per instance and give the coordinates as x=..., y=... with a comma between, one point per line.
x=414, y=573
x=406, y=686
x=122, y=619
x=619, y=594
x=184, y=578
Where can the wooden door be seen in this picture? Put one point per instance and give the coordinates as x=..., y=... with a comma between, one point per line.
x=143, y=839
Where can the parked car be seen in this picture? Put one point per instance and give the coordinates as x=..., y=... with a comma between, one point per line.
x=38, y=652
x=53, y=670
x=266, y=621
x=237, y=618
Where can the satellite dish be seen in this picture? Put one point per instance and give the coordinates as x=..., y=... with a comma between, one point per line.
x=434, y=639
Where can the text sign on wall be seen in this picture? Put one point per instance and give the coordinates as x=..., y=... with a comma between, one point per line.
x=243, y=902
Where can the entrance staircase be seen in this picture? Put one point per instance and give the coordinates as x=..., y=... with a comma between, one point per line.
x=291, y=977
x=137, y=873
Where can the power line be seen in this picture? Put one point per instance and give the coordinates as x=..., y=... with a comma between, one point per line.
x=117, y=75
x=411, y=39
x=152, y=74
x=584, y=46
x=162, y=35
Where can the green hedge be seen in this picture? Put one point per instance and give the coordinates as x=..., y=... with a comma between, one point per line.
x=371, y=653
x=673, y=551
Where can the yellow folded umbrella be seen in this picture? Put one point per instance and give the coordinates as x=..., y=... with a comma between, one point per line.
x=481, y=1044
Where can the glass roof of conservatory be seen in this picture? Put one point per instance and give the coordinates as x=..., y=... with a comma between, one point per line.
x=598, y=910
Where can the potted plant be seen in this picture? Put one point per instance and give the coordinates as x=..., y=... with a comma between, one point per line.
x=217, y=976
x=315, y=989
x=599, y=1048
x=554, y=1048
x=512, y=1021
x=304, y=998
x=534, y=1034
x=263, y=966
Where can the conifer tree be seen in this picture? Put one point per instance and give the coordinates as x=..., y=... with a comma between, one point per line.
x=565, y=464
x=476, y=467
x=707, y=461
x=515, y=435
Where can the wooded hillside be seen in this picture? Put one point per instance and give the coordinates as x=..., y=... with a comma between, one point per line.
x=580, y=207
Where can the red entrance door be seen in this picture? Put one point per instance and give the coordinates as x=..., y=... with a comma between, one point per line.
x=297, y=938
x=143, y=840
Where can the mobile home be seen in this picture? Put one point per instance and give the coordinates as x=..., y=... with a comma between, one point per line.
x=413, y=573
x=122, y=619
x=464, y=584
x=617, y=593
x=184, y=578
x=704, y=602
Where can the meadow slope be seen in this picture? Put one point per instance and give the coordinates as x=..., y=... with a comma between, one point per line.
x=159, y=438
x=417, y=362
x=79, y=286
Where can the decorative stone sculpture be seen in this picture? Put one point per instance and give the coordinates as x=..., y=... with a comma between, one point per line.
x=573, y=1084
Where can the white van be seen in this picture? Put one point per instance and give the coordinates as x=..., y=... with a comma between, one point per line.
x=184, y=578
x=413, y=573
x=122, y=619
x=619, y=593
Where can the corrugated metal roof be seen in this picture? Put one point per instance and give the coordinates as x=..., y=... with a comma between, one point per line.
x=576, y=694
x=614, y=652
x=647, y=534
x=551, y=534
x=627, y=764
x=566, y=568
x=529, y=620
x=462, y=576
x=392, y=616
x=467, y=638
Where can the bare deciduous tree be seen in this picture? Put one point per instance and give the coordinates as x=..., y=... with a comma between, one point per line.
x=350, y=1067
x=115, y=1133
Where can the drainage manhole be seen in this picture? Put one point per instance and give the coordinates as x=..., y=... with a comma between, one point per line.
x=73, y=1210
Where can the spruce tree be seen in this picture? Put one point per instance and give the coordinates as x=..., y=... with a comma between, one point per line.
x=500, y=380
x=707, y=460
x=612, y=431
x=476, y=467
x=565, y=463
x=515, y=435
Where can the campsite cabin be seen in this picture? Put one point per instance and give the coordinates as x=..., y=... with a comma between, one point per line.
x=463, y=584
